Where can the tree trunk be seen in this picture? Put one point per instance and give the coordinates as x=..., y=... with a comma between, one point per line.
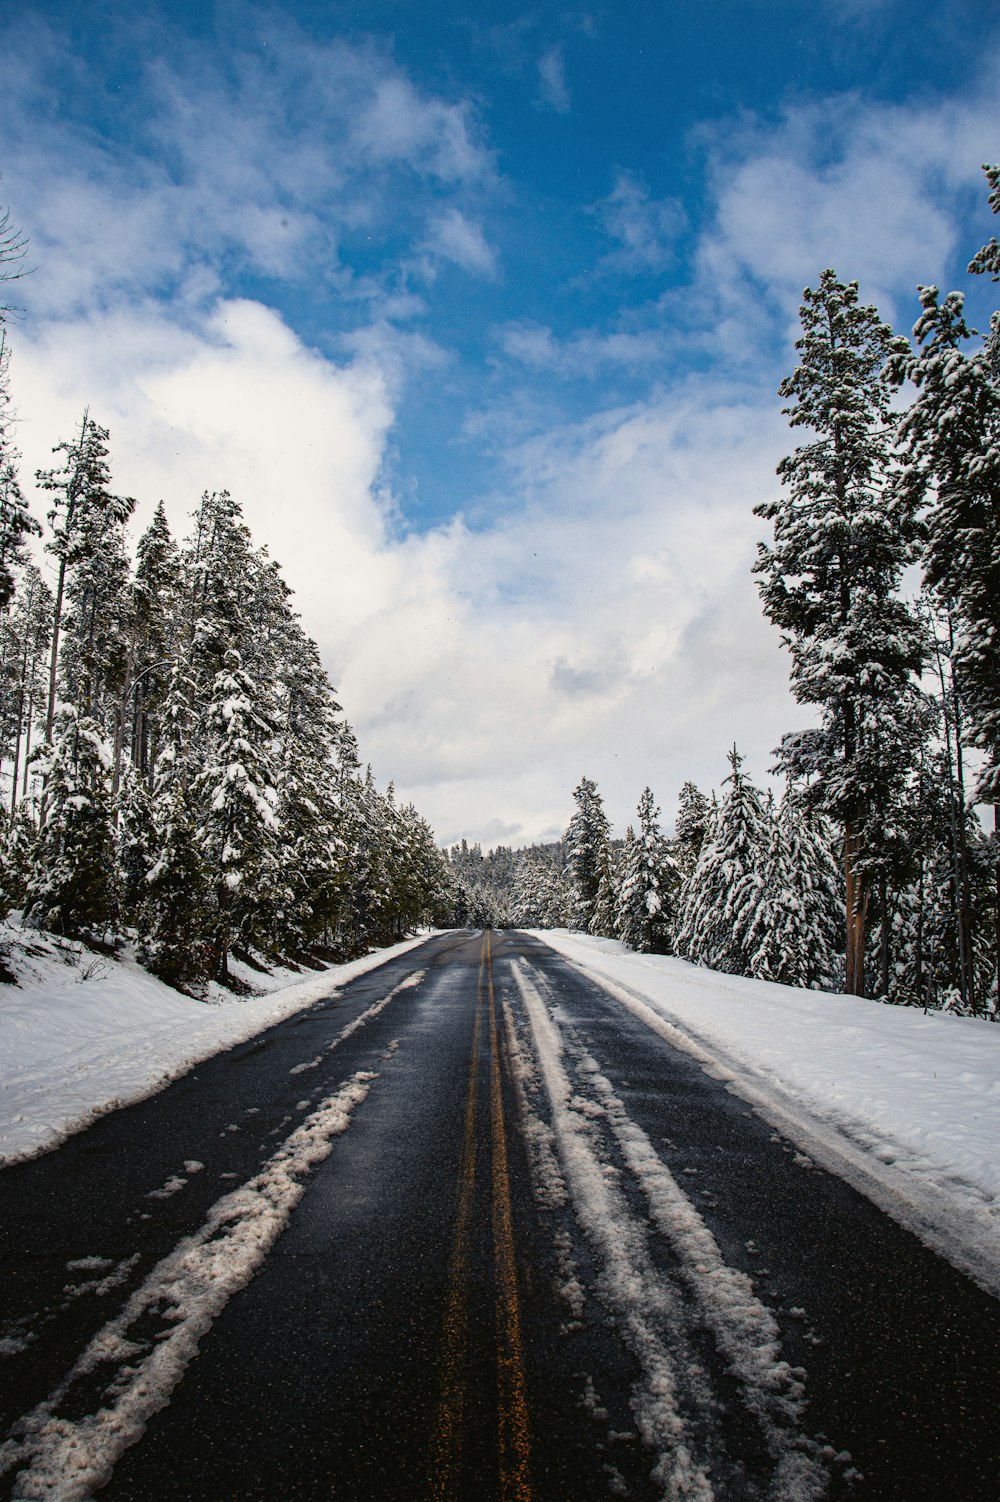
x=996, y=935
x=884, y=940
x=27, y=738
x=857, y=904
x=54, y=657
x=17, y=749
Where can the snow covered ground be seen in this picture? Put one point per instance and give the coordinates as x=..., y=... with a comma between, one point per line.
x=904, y=1105
x=81, y=1035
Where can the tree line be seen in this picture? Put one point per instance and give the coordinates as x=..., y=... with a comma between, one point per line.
x=176, y=769
x=873, y=873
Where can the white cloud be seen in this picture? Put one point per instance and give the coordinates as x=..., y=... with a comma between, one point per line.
x=872, y=190
x=262, y=167
x=552, y=80
x=398, y=124
x=605, y=622
x=452, y=237
x=646, y=228
x=584, y=354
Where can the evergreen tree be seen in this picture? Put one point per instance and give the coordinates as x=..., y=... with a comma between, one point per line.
x=986, y=261
x=86, y=541
x=136, y=840
x=951, y=440
x=30, y=623
x=585, y=841
x=175, y=918
x=18, y=864
x=842, y=537
x=603, y=920
x=794, y=932
x=692, y=824
x=721, y=897
x=647, y=891
x=72, y=888
x=155, y=606
x=16, y=522
x=235, y=797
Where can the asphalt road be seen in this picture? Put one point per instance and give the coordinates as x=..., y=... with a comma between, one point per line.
x=469, y=1230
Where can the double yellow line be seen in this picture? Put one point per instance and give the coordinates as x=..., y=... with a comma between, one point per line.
x=512, y=1407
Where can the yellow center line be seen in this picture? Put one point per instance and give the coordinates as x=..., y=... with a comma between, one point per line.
x=515, y=1485
x=447, y=1450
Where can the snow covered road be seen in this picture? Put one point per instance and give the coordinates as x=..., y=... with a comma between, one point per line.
x=473, y=1226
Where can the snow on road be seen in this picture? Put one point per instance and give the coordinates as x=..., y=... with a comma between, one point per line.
x=81, y=1035
x=903, y=1104
x=66, y=1459
x=644, y=1305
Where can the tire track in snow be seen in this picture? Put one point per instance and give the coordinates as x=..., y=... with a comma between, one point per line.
x=63, y=1459
x=744, y=1329
x=630, y=1285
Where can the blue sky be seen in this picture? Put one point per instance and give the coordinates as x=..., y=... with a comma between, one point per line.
x=482, y=318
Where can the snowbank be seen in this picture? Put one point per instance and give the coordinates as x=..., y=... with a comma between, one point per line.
x=903, y=1104
x=81, y=1035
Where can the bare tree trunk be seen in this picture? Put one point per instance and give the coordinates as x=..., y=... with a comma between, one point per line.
x=884, y=939
x=17, y=750
x=857, y=906
x=120, y=718
x=27, y=739
x=996, y=934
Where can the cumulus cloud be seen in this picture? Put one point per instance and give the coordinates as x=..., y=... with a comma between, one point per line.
x=872, y=190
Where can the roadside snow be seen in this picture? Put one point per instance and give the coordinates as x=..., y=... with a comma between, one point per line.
x=81, y=1035
x=905, y=1105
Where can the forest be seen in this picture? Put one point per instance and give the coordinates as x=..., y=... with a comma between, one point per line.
x=178, y=770
x=178, y=773
x=873, y=873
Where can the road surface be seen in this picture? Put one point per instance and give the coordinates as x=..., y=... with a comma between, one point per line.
x=469, y=1230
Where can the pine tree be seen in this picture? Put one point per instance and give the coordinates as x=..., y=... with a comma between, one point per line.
x=175, y=918
x=795, y=929
x=86, y=522
x=951, y=440
x=692, y=823
x=72, y=889
x=136, y=840
x=842, y=538
x=722, y=895
x=31, y=626
x=585, y=841
x=603, y=919
x=155, y=607
x=648, y=885
x=235, y=797
x=16, y=522
x=19, y=856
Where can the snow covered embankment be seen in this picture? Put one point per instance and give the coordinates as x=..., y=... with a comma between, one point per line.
x=905, y=1106
x=80, y=1039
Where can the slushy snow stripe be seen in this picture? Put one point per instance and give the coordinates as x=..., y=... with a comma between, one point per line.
x=67, y=1460
x=744, y=1328
x=643, y=1304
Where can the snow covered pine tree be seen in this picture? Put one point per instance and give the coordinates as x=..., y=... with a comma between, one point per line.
x=842, y=538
